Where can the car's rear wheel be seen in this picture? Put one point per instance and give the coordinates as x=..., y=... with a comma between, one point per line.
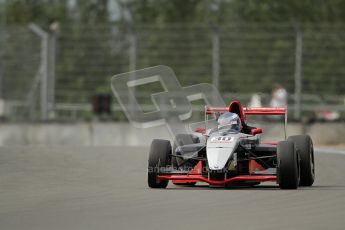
x=180, y=140
x=304, y=146
x=288, y=165
x=160, y=152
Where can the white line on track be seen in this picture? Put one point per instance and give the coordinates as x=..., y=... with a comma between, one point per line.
x=329, y=151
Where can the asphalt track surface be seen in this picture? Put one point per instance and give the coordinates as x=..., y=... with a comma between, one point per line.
x=64, y=188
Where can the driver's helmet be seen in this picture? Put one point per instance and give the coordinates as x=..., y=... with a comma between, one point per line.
x=229, y=121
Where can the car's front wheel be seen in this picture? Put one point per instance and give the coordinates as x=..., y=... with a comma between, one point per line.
x=160, y=152
x=288, y=165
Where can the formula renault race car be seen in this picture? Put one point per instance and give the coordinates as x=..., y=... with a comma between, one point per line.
x=231, y=154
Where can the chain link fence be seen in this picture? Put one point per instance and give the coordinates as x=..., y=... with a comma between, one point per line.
x=47, y=75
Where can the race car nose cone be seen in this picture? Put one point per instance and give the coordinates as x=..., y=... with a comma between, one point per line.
x=217, y=157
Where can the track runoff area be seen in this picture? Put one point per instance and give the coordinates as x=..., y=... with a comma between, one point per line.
x=106, y=188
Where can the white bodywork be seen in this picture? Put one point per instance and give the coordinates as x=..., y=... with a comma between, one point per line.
x=221, y=146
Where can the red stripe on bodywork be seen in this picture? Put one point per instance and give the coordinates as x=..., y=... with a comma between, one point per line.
x=197, y=170
x=270, y=143
x=254, y=167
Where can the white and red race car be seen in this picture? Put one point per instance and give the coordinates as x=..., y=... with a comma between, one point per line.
x=232, y=158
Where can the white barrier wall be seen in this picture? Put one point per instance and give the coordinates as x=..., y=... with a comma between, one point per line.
x=123, y=134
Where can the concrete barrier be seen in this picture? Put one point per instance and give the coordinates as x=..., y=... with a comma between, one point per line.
x=124, y=134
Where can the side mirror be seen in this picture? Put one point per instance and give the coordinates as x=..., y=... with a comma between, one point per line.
x=256, y=131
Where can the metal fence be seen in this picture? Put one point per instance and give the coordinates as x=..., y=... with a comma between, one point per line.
x=47, y=75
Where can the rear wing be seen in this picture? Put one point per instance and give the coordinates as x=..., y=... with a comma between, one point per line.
x=249, y=111
x=265, y=111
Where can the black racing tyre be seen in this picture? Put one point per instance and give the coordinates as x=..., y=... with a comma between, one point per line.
x=182, y=139
x=304, y=146
x=160, y=152
x=288, y=165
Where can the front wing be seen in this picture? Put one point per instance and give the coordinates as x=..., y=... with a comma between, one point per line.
x=195, y=175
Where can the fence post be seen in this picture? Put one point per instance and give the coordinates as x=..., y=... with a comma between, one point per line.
x=298, y=73
x=215, y=57
x=132, y=52
x=43, y=70
x=51, y=74
x=2, y=52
